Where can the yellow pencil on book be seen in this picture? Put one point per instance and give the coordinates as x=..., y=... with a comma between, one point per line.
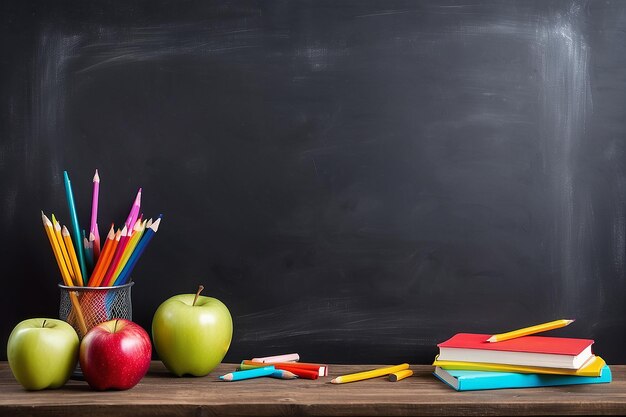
x=374, y=373
x=526, y=331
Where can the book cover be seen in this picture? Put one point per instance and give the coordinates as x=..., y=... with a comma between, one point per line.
x=483, y=380
x=554, y=352
x=593, y=367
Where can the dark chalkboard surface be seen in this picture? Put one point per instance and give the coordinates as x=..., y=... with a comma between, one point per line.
x=356, y=180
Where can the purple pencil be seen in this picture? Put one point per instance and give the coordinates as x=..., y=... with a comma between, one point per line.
x=134, y=211
x=93, y=230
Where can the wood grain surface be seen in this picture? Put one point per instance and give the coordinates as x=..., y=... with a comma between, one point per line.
x=161, y=394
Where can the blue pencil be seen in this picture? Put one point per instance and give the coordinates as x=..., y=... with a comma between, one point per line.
x=124, y=275
x=249, y=373
x=282, y=374
x=78, y=244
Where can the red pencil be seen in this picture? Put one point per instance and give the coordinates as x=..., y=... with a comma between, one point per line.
x=105, y=258
x=301, y=372
x=119, y=251
x=321, y=369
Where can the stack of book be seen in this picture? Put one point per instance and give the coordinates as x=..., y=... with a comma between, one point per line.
x=470, y=362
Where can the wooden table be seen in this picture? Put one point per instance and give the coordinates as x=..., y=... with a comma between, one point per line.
x=159, y=393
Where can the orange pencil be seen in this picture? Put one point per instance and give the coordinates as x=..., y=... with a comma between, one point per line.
x=73, y=259
x=109, y=277
x=67, y=280
x=105, y=258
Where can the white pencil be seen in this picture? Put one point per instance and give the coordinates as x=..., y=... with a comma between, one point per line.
x=289, y=357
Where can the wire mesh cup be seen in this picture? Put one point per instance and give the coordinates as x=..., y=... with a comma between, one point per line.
x=86, y=307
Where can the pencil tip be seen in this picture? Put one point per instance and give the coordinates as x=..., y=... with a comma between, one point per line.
x=155, y=225
x=492, y=339
x=96, y=177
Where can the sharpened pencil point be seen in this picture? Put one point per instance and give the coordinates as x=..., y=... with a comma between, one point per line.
x=155, y=225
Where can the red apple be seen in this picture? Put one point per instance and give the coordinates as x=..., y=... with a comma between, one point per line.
x=115, y=355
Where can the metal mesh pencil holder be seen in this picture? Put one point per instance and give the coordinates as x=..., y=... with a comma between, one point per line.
x=97, y=304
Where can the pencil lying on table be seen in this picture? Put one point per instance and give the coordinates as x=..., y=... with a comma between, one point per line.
x=248, y=374
x=360, y=376
x=320, y=368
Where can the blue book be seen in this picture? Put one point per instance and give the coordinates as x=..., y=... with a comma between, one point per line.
x=481, y=380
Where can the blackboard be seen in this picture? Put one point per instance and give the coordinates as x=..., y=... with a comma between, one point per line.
x=355, y=180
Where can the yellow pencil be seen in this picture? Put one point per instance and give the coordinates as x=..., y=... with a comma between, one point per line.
x=67, y=238
x=400, y=375
x=66, y=256
x=529, y=330
x=369, y=374
x=67, y=280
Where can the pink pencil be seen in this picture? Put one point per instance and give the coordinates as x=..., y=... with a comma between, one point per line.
x=134, y=211
x=93, y=230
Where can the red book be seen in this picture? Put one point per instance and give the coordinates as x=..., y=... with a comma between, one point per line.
x=551, y=352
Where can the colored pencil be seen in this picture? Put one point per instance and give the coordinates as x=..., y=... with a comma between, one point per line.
x=105, y=258
x=134, y=211
x=92, y=244
x=96, y=243
x=556, y=324
x=360, y=376
x=65, y=275
x=119, y=251
x=400, y=375
x=282, y=374
x=289, y=357
x=138, y=231
x=124, y=276
x=75, y=226
x=70, y=249
x=88, y=252
x=56, y=227
x=93, y=227
x=248, y=374
x=321, y=369
x=300, y=372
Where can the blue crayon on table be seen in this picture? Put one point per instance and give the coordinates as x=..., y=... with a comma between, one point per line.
x=78, y=244
x=249, y=373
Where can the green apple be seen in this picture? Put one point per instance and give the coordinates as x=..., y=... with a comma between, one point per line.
x=192, y=333
x=42, y=353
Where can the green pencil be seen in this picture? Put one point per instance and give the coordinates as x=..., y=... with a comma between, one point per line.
x=78, y=243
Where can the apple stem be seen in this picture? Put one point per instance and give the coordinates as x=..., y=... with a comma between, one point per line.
x=115, y=327
x=44, y=323
x=200, y=288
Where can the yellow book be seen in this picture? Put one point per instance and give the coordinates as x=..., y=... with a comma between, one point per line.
x=593, y=367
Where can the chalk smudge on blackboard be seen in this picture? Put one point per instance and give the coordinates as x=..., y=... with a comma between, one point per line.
x=113, y=47
x=47, y=131
x=565, y=100
x=337, y=320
